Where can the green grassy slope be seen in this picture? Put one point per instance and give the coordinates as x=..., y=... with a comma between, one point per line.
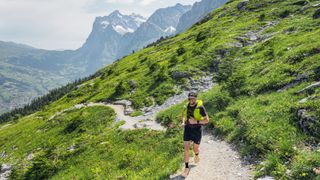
x=253, y=52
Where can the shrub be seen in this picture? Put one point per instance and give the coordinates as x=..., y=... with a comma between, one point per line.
x=120, y=89
x=202, y=35
x=235, y=85
x=262, y=17
x=284, y=14
x=173, y=61
x=181, y=50
x=148, y=102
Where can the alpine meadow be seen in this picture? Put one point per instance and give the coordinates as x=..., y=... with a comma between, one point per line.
x=263, y=60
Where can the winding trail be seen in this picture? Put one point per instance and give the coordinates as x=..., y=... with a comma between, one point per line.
x=218, y=159
x=143, y=121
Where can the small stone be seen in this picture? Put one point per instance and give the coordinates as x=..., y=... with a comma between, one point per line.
x=30, y=156
x=71, y=148
x=210, y=142
x=3, y=154
x=304, y=100
x=266, y=178
x=288, y=172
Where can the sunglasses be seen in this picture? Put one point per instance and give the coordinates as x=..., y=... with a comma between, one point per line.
x=191, y=98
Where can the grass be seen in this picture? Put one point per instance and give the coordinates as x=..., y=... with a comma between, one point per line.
x=245, y=107
x=83, y=144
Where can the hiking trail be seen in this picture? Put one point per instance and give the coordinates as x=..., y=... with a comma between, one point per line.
x=218, y=159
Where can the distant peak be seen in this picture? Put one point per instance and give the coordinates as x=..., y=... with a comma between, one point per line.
x=134, y=14
x=116, y=12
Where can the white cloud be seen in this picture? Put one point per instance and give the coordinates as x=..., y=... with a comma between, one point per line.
x=146, y=2
x=120, y=2
x=63, y=24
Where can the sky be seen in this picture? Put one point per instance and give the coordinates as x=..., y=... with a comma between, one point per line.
x=64, y=24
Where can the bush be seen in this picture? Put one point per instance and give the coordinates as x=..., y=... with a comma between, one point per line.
x=148, y=102
x=217, y=102
x=262, y=17
x=202, y=35
x=235, y=85
x=120, y=89
x=173, y=61
x=284, y=14
x=303, y=164
x=181, y=51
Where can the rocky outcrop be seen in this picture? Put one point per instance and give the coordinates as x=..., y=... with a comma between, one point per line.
x=310, y=88
x=242, y=5
x=299, y=79
x=180, y=74
x=5, y=172
x=127, y=106
x=316, y=14
x=307, y=122
x=204, y=83
x=252, y=37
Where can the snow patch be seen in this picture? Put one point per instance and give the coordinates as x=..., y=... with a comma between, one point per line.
x=105, y=24
x=170, y=29
x=121, y=30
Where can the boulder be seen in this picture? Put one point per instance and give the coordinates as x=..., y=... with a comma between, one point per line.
x=179, y=74
x=306, y=121
x=5, y=172
x=128, y=110
x=123, y=102
x=316, y=14
x=252, y=36
x=242, y=5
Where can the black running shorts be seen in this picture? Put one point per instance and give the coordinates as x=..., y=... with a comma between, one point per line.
x=192, y=134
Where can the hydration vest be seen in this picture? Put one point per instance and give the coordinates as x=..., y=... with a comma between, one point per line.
x=196, y=113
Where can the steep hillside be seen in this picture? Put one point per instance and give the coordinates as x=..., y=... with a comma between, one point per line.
x=262, y=54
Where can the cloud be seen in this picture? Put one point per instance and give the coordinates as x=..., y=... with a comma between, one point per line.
x=64, y=24
x=120, y=2
x=146, y=2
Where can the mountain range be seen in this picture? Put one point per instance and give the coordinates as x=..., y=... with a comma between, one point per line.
x=27, y=72
x=262, y=57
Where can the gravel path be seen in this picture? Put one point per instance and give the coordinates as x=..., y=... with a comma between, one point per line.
x=130, y=122
x=218, y=161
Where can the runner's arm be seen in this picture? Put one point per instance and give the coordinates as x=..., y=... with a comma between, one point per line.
x=205, y=120
x=205, y=116
x=182, y=118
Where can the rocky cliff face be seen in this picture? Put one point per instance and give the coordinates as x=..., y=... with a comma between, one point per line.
x=198, y=11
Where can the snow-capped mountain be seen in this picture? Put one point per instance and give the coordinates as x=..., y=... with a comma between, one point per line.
x=198, y=11
x=111, y=38
x=120, y=23
x=162, y=22
x=103, y=43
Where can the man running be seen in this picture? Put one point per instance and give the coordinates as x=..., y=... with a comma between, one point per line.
x=193, y=117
